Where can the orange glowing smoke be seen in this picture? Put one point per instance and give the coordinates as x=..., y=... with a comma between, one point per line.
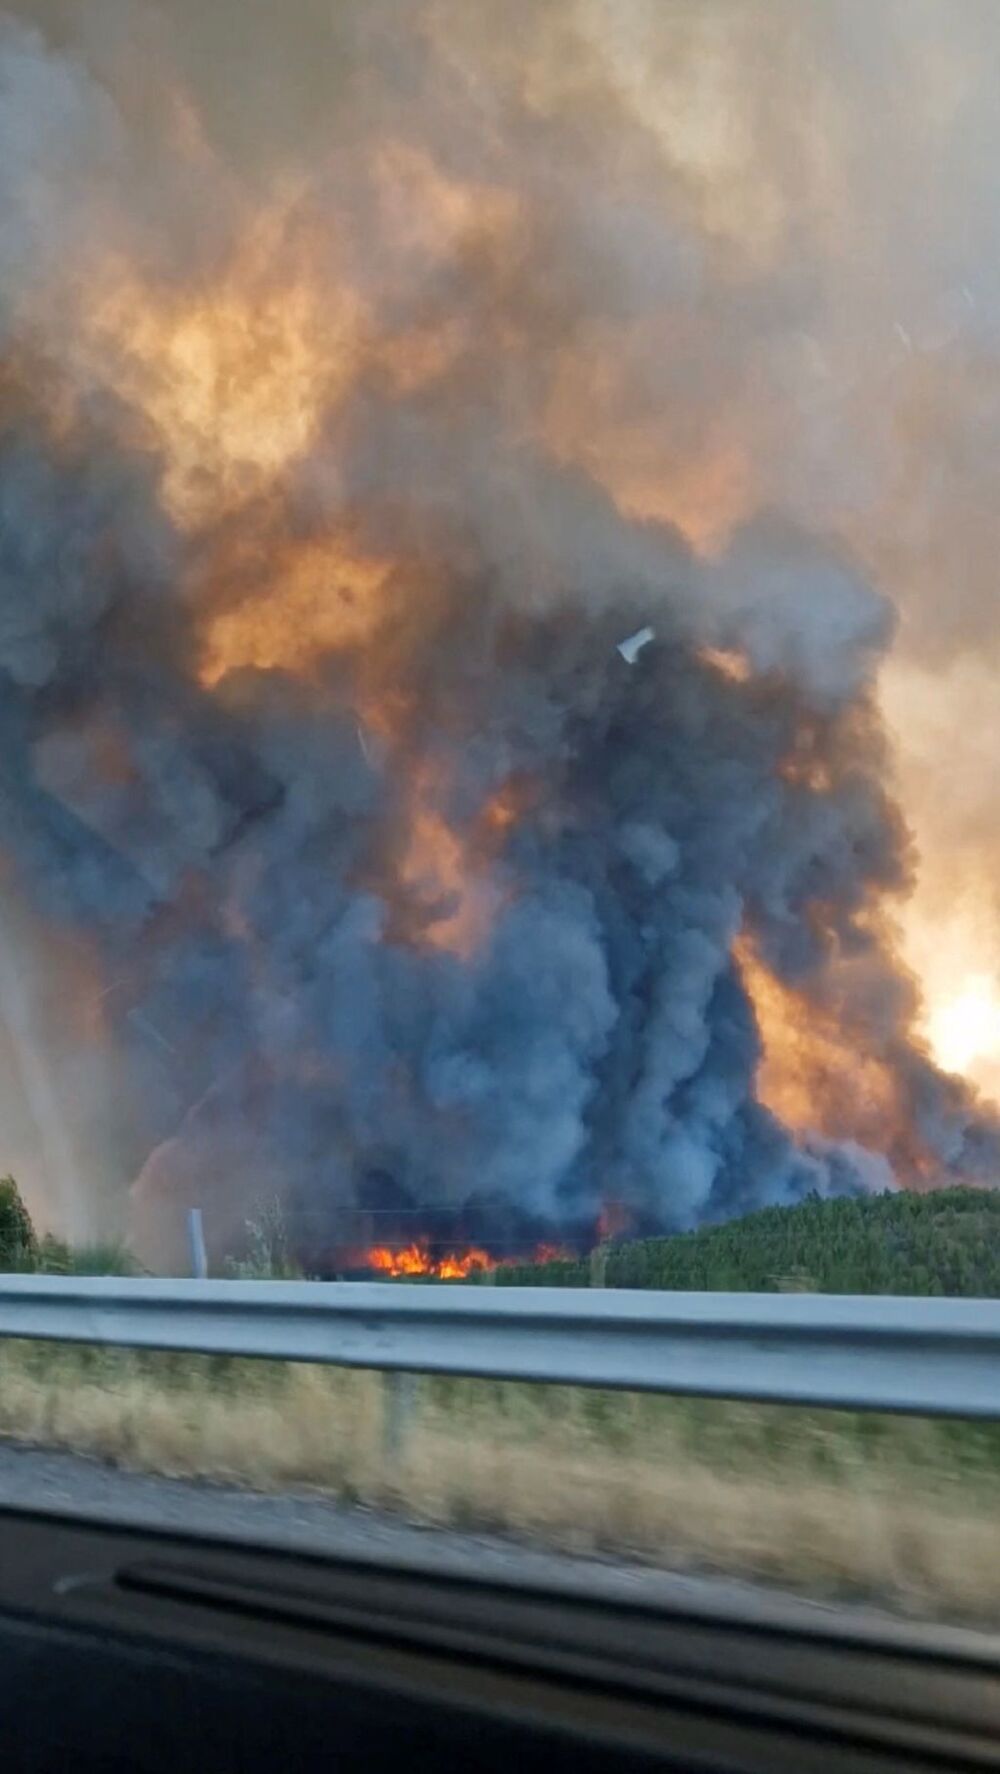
x=728, y=662
x=806, y=1064
x=804, y=765
x=449, y=897
x=453, y=906
x=314, y=597
x=431, y=217
x=818, y=1074
x=702, y=486
x=946, y=723
x=233, y=376
x=229, y=379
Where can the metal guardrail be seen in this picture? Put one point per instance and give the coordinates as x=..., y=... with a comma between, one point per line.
x=933, y=1356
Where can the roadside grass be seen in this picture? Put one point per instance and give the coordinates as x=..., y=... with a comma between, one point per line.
x=906, y=1511
x=104, y=1257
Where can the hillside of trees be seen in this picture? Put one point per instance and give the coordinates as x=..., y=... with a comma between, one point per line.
x=947, y=1242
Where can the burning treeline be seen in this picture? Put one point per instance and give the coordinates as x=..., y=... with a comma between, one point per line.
x=361, y=393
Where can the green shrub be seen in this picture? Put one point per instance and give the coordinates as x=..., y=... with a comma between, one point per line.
x=18, y=1244
x=105, y=1257
x=268, y=1255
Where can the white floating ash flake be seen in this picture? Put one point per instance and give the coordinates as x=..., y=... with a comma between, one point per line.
x=632, y=647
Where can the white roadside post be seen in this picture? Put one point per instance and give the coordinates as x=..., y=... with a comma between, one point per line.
x=196, y=1244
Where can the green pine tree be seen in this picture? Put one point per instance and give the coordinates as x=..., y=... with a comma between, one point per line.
x=18, y=1244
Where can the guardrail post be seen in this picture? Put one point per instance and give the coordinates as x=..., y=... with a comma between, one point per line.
x=599, y=1265
x=399, y=1395
x=196, y=1244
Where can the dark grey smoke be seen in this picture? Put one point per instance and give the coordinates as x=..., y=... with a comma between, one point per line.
x=277, y=1015
x=598, y=1045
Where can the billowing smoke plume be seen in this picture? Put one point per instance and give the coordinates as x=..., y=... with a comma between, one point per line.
x=366, y=383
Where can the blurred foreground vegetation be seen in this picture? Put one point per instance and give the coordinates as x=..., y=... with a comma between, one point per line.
x=903, y=1511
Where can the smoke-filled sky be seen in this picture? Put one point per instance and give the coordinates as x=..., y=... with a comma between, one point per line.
x=371, y=372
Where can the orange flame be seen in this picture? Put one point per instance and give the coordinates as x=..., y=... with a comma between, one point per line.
x=416, y=1258
x=613, y=1221
x=551, y=1253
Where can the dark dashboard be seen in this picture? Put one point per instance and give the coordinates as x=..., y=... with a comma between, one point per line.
x=129, y=1649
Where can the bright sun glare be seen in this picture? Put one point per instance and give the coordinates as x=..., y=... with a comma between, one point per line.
x=966, y=1027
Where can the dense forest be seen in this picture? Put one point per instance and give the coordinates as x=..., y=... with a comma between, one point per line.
x=947, y=1242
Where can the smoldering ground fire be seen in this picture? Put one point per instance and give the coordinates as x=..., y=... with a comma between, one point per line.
x=346, y=858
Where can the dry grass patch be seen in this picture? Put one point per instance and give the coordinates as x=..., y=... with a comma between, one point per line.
x=905, y=1511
